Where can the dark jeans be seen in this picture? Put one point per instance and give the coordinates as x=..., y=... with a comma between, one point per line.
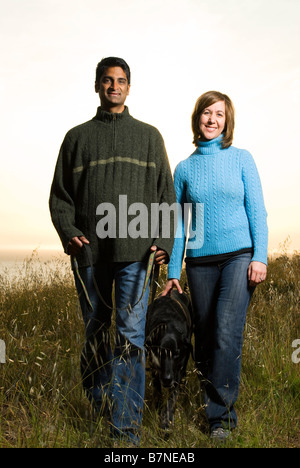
x=115, y=377
x=220, y=296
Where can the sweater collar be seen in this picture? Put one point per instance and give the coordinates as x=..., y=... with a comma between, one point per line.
x=210, y=147
x=105, y=116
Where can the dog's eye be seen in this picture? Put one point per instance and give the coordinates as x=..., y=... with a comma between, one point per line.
x=174, y=354
x=169, y=353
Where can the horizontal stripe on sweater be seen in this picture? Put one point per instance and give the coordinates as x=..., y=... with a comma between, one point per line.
x=115, y=159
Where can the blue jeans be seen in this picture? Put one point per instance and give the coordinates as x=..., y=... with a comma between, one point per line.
x=115, y=379
x=220, y=296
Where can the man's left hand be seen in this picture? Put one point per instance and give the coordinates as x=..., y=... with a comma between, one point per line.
x=161, y=256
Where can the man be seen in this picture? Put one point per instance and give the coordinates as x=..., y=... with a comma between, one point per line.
x=110, y=159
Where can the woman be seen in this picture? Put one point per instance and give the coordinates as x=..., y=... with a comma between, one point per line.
x=231, y=260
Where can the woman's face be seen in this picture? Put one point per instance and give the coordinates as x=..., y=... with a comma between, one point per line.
x=212, y=121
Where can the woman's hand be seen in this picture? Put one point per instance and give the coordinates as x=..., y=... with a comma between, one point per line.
x=257, y=273
x=171, y=284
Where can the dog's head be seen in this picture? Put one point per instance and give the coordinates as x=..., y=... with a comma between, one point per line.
x=174, y=357
x=169, y=356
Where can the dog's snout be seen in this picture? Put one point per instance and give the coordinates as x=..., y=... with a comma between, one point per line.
x=167, y=381
x=167, y=369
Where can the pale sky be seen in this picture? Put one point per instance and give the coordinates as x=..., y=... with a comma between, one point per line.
x=176, y=49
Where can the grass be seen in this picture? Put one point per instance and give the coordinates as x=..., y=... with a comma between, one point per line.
x=41, y=400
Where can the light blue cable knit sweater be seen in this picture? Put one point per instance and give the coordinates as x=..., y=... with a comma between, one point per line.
x=231, y=214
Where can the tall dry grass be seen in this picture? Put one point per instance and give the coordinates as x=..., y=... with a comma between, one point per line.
x=41, y=400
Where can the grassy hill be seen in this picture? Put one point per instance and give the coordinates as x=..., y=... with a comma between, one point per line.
x=41, y=400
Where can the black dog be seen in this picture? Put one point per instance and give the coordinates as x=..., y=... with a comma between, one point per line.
x=168, y=345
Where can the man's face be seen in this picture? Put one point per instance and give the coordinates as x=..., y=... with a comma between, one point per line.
x=113, y=89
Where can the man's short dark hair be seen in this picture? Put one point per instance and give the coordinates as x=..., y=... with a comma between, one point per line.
x=112, y=62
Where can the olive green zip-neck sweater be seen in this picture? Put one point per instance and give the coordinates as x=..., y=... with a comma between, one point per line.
x=110, y=156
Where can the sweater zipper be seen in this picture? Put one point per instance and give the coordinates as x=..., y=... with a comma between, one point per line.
x=114, y=132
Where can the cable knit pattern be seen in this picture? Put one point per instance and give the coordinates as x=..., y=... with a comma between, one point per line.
x=227, y=183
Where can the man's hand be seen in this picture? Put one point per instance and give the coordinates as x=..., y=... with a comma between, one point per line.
x=75, y=245
x=161, y=255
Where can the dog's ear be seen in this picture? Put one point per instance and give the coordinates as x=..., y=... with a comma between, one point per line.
x=187, y=343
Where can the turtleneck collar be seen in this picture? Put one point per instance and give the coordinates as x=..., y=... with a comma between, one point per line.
x=105, y=116
x=210, y=146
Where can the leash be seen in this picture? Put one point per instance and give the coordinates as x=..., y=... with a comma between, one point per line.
x=149, y=270
x=186, y=314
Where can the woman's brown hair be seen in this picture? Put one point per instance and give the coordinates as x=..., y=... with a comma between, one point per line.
x=206, y=100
